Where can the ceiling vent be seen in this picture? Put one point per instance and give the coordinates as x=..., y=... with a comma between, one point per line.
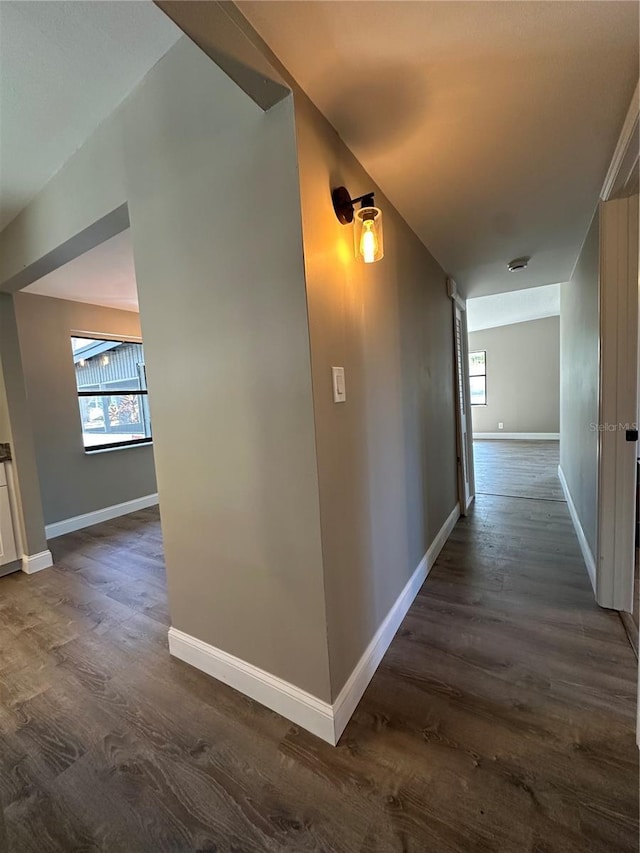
x=518, y=264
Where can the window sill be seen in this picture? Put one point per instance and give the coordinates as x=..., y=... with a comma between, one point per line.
x=89, y=452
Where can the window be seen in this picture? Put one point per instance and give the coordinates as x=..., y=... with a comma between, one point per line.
x=112, y=392
x=478, y=378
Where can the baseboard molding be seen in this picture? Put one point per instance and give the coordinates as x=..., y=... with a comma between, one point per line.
x=589, y=560
x=32, y=563
x=323, y=719
x=518, y=436
x=358, y=681
x=286, y=699
x=87, y=519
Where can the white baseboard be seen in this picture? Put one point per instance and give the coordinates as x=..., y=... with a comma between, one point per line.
x=286, y=699
x=321, y=718
x=77, y=522
x=587, y=555
x=518, y=436
x=357, y=683
x=32, y=563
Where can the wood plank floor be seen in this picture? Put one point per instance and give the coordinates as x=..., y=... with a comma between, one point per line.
x=501, y=718
x=521, y=469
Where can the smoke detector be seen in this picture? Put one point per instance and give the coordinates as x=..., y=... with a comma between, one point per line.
x=518, y=264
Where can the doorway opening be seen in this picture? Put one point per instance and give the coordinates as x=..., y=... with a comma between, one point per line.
x=514, y=377
x=84, y=372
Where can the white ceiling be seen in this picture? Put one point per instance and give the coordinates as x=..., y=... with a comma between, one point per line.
x=102, y=276
x=64, y=67
x=489, y=125
x=517, y=306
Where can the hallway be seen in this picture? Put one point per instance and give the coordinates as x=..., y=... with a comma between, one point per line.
x=501, y=718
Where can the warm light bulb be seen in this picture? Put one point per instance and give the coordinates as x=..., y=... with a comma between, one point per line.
x=368, y=242
x=105, y=360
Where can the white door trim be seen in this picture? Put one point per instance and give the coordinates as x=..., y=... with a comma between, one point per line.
x=464, y=427
x=618, y=402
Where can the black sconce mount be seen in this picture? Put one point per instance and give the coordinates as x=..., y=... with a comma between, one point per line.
x=343, y=204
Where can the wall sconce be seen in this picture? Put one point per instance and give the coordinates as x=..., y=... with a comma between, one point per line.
x=82, y=362
x=367, y=228
x=105, y=360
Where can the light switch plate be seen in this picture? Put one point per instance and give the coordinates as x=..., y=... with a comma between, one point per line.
x=339, y=387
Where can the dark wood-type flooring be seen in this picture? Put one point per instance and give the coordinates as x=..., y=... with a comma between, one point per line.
x=520, y=469
x=501, y=718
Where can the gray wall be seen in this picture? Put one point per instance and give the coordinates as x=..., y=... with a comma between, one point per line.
x=212, y=188
x=265, y=512
x=215, y=218
x=523, y=377
x=579, y=366
x=386, y=457
x=73, y=482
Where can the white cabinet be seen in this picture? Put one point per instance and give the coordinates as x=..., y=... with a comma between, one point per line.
x=7, y=539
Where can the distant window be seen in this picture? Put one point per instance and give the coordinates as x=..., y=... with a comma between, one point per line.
x=112, y=392
x=478, y=378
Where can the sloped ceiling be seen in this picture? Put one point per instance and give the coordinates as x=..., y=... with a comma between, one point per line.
x=490, y=125
x=64, y=67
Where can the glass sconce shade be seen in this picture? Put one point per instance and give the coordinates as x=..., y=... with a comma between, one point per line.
x=367, y=234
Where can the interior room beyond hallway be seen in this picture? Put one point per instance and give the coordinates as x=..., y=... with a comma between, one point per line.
x=519, y=469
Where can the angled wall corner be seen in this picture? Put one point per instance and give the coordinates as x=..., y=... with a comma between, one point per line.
x=295, y=536
x=215, y=218
x=390, y=326
x=209, y=185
